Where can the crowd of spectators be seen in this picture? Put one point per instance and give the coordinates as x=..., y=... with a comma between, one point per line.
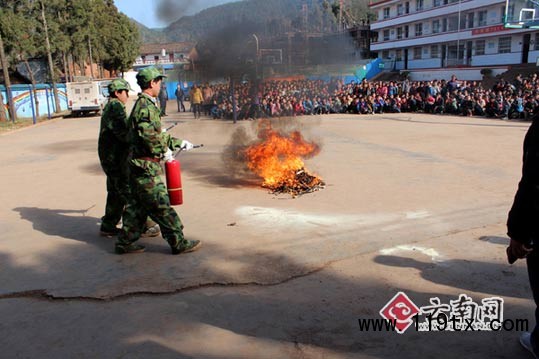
x=516, y=99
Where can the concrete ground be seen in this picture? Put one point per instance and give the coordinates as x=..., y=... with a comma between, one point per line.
x=413, y=203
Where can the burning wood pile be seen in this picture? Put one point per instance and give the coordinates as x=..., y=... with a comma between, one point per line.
x=302, y=182
x=278, y=159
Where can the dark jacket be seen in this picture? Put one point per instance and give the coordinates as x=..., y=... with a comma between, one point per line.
x=114, y=132
x=180, y=94
x=523, y=219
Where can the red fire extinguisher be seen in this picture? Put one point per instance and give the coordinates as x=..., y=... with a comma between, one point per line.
x=174, y=182
x=173, y=172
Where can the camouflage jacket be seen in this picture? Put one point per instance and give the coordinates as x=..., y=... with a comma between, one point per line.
x=148, y=141
x=113, y=146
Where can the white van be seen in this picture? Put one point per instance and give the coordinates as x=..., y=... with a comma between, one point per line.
x=87, y=96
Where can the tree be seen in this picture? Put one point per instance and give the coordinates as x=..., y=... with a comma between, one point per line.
x=77, y=30
x=19, y=23
x=6, y=79
x=64, y=31
x=49, y=57
x=121, y=42
x=5, y=69
x=101, y=34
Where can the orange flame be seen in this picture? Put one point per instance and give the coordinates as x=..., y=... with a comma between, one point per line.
x=277, y=157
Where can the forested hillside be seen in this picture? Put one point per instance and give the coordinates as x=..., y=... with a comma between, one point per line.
x=271, y=18
x=150, y=36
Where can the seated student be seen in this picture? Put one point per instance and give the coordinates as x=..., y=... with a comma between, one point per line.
x=429, y=103
x=419, y=103
x=354, y=105
x=405, y=107
x=479, y=106
x=217, y=112
x=529, y=105
x=365, y=106
x=451, y=106
x=393, y=104
x=503, y=107
x=439, y=104
x=308, y=106
x=298, y=108
x=213, y=108
x=491, y=108
x=466, y=106
x=379, y=105
x=317, y=104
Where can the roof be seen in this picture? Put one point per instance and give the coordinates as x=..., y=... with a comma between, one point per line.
x=170, y=48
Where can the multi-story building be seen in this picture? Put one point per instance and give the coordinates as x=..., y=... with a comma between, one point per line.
x=166, y=55
x=437, y=38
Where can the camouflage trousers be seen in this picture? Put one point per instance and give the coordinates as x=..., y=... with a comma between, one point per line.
x=117, y=194
x=149, y=197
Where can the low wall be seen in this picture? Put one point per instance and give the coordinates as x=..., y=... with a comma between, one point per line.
x=23, y=98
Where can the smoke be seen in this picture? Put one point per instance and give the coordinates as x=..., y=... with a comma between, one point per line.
x=229, y=51
x=172, y=10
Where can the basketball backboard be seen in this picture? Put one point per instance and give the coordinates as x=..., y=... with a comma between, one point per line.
x=521, y=14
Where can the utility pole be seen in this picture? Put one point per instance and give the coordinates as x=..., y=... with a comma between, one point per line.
x=91, y=59
x=90, y=33
x=3, y=117
x=256, y=56
x=49, y=56
x=12, y=113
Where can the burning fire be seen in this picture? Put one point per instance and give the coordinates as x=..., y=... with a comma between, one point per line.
x=278, y=159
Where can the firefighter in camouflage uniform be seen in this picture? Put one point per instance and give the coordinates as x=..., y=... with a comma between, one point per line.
x=149, y=197
x=113, y=150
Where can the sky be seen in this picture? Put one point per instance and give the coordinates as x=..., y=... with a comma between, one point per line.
x=146, y=12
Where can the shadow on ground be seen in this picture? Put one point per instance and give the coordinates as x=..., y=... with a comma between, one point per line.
x=65, y=223
x=467, y=275
x=304, y=316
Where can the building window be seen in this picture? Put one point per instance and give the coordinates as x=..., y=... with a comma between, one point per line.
x=400, y=9
x=510, y=13
x=480, y=47
x=399, y=33
x=470, y=20
x=453, y=23
x=407, y=7
x=536, y=43
x=385, y=54
x=418, y=29
x=482, y=18
x=462, y=24
x=398, y=55
x=444, y=24
x=504, y=45
x=406, y=31
x=437, y=3
x=417, y=53
x=434, y=54
x=386, y=35
x=435, y=26
x=419, y=5
x=386, y=13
